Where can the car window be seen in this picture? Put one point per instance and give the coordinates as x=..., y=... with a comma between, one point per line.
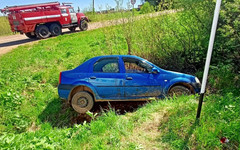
x=106, y=65
x=136, y=66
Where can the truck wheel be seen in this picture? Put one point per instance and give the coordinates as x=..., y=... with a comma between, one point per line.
x=82, y=102
x=29, y=35
x=178, y=91
x=72, y=29
x=55, y=29
x=42, y=32
x=83, y=25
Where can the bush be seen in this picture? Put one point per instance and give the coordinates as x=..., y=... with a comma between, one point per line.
x=223, y=79
x=146, y=8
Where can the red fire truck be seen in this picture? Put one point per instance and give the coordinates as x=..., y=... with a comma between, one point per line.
x=45, y=19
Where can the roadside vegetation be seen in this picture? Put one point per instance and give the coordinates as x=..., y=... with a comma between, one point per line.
x=33, y=116
x=4, y=26
x=99, y=17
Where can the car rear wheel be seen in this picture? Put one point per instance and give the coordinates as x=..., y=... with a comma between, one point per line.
x=178, y=91
x=42, y=32
x=55, y=29
x=83, y=25
x=82, y=102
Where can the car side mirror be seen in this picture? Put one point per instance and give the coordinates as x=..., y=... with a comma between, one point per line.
x=155, y=70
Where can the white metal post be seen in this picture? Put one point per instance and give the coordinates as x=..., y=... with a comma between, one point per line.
x=209, y=55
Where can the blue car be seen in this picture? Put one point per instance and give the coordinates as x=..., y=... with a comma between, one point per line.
x=121, y=78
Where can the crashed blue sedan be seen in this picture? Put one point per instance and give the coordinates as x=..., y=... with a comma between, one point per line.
x=121, y=78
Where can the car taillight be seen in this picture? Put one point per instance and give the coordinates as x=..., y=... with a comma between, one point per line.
x=60, y=77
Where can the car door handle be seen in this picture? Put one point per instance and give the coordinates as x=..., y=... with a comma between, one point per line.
x=92, y=77
x=129, y=78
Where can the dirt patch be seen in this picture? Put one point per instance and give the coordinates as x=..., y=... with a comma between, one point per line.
x=119, y=107
x=147, y=134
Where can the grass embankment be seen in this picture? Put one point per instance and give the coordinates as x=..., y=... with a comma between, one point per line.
x=5, y=28
x=32, y=115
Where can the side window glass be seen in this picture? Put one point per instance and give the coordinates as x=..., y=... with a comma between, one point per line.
x=107, y=65
x=71, y=10
x=136, y=66
x=63, y=11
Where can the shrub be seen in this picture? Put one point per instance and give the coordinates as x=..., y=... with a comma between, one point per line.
x=146, y=8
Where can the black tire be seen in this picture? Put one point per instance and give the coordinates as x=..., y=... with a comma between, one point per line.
x=72, y=29
x=178, y=91
x=29, y=35
x=55, y=29
x=42, y=32
x=83, y=25
x=82, y=102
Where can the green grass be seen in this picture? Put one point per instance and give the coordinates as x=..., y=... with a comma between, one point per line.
x=5, y=28
x=110, y=16
x=168, y=124
x=29, y=84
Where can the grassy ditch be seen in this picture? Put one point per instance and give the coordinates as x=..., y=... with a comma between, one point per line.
x=168, y=124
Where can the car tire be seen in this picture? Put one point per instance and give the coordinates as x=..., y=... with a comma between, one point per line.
x=83, y=25
x=72, y=29
x=178, y=91
x=55, y=29
x=82, y=102
x=29, y=35
x=42, y=32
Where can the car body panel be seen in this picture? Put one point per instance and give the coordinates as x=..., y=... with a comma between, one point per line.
x=121, y=85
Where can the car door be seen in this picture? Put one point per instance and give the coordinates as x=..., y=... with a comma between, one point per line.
x=139, y=81
x=107, y=78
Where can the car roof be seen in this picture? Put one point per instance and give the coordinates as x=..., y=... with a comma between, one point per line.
x=106, y=56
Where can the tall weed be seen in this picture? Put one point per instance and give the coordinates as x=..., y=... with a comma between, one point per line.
x=4, y=26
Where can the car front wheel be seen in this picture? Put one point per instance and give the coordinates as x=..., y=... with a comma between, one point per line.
x=178, y=91
x=82, y=102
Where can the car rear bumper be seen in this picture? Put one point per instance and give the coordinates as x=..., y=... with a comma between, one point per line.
x=64, y=90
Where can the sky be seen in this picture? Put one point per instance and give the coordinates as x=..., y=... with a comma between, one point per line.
x=83, y=4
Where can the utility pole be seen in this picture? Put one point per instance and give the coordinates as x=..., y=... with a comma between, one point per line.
x=133, y=2
x=209, y=55
x=93, y=10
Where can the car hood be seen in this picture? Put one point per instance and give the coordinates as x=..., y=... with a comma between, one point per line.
x=168, y=75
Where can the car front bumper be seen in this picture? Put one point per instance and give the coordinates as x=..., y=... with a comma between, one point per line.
x=196, y=86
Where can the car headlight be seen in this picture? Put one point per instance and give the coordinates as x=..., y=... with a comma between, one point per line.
x=197, y=80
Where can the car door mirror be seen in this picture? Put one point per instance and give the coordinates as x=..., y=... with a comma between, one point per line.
x=155, y=70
